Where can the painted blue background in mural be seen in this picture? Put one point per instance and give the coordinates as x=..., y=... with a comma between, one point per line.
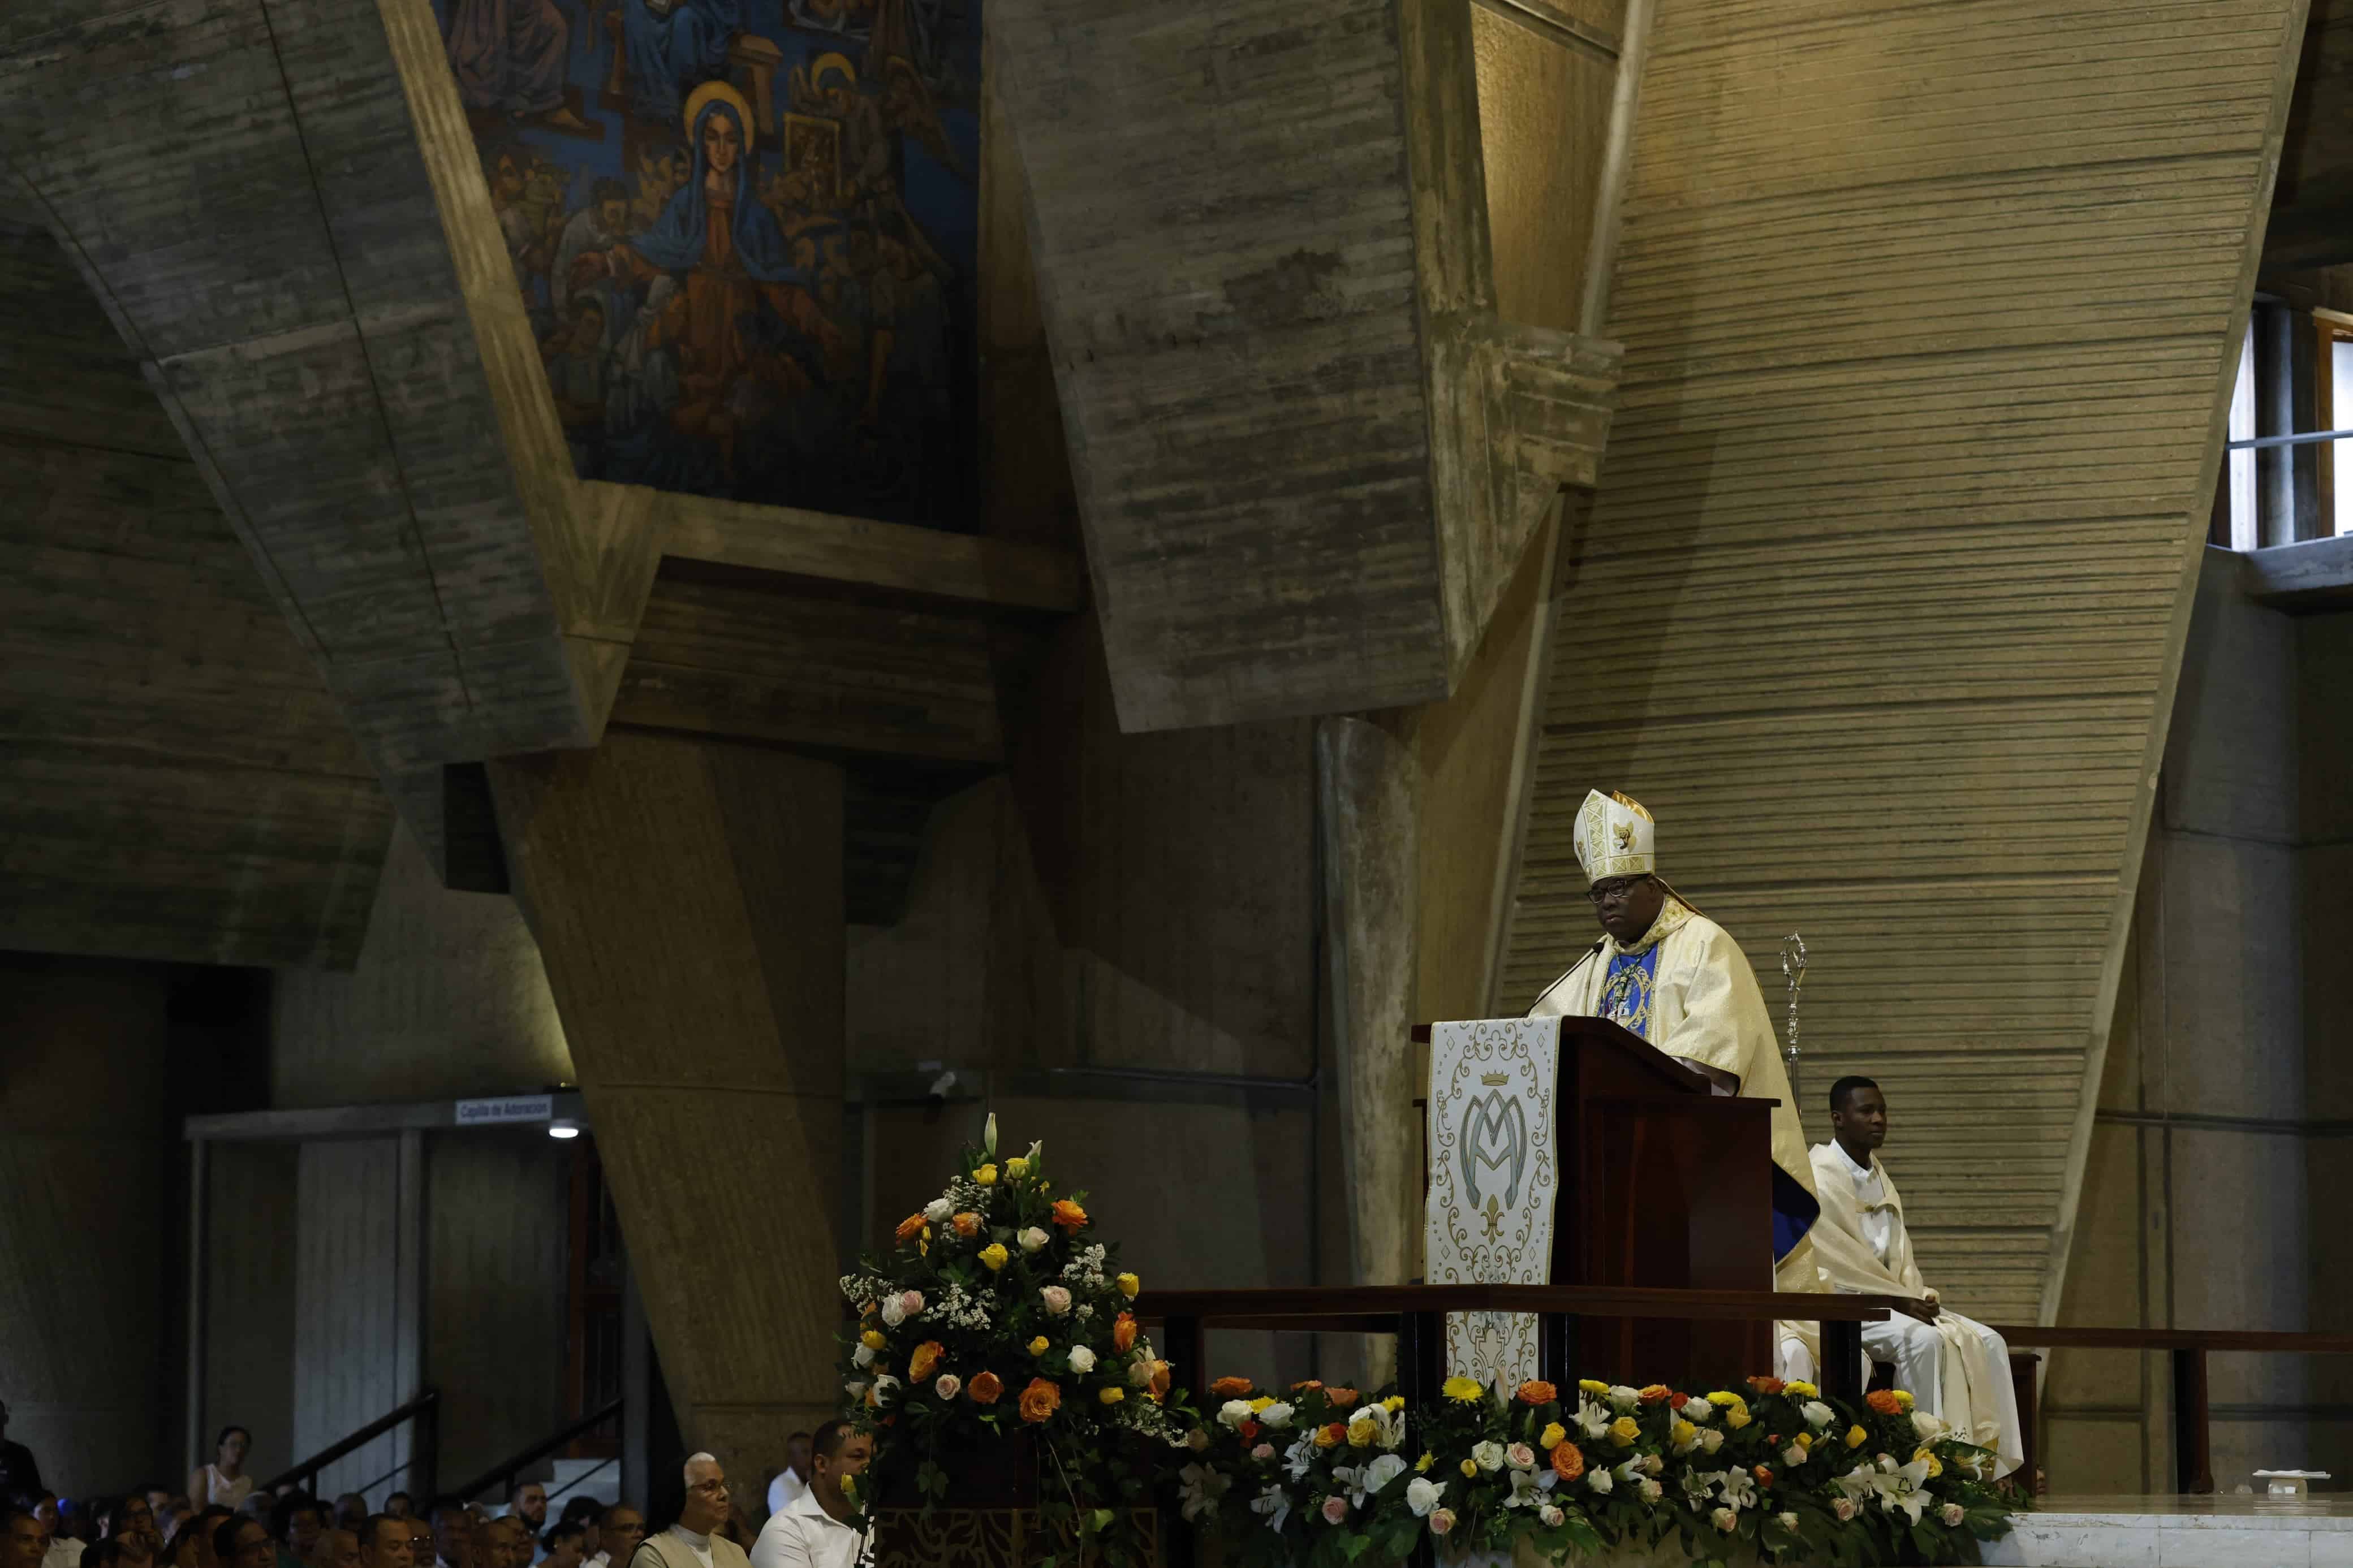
x=746, y=232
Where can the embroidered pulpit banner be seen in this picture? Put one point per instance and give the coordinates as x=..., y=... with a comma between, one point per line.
x=1494, y=1173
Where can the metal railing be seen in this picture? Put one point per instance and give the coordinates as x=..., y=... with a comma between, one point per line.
x=424, y=1445
x=503, y=1473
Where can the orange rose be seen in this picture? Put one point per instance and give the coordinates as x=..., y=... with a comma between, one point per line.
x=966, y=1224
x=1883, y=1400
x=1159, y=1389
x=910, y=1227
x=1068, y=1215
x=1123, y=1332
x=1305, y=1384
x=984, y=1388
x=1767, y=1385
x=1567, y=1461
x=1764, y=1476
x=1041, y=1399
x=1656, y=1393
x=1340, y=1398
x=1331, y=1436
x=1538, y=1392
x=1231, y=1387
x=925, y=1357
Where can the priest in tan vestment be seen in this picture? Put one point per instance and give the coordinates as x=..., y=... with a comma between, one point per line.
x=695, y=1541
x=1956, y=1370
x=1675, y=977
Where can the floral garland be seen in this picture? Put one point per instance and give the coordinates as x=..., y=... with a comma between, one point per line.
x=996, y=1315
x=1320, y=1478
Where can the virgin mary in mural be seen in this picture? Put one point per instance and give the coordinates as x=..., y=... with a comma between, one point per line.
x=751, y=347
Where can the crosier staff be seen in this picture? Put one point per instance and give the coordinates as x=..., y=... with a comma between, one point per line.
x=1793, y=966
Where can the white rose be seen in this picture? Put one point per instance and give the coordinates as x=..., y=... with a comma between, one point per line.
x=939, y=1211
x=893, y=1314
x=1032, y=1239
x=862, y=1356
x=1551, y=1515
x=886, y=1388
x=1794, y=1456
x=948, y=1386
x=1711, y=1440
x=1930, y=1427
x=1520, y=1457
x=1489, y=1456
x=1081, y=1359
x=1652, y=1492
x=1421, y=1495
x=1057, y=1298
x=1275, y=1417
x=1139, y=1372
x=1788, y=1521
x=1600, y=1480
x=1817, y=1414
x=1696, y=1410
x=1726, y=1520
x=1233, y=1413
x=1623, y=1397
x=856, y=1388
x=1952, y=1513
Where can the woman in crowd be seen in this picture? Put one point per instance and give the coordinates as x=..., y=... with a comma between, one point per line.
x=224, y=1481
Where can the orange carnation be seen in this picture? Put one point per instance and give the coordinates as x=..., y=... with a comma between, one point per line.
x=1567, y=1461
x=924, y=1358
x=1883, y=1400
x=984, y=1388
x=1340, y=1398
x=1041, y=1399
x=1123, y=1332
x=1068, y=1215
x=910, y=1227
x=1536, y=1391
x=1231, y=1387
x=1767, y=1385
x=966, y=1224
x=1655, y=1394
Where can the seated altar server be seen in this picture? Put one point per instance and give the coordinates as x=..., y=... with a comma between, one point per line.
x=1953, y=1368
x=1674, y=976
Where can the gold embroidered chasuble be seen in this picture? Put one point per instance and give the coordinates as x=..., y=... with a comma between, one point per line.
x=1699, y=1001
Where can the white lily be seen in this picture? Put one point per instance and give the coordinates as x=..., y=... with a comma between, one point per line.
x=1274, y=1504
x=1906, y=1489
x=1201, y=1487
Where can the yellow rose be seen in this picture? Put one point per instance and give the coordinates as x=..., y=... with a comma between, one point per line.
x=1801, y=1390
x=1936, y=1466
x=1471, y=1467
x=1592, y=1385
x=985, y=1175
x=1393, y=1404
x=994, y=1254
x=1555, y=1434
x=1016, y=1167
x=1362, y=1431
x=1625, y=1429
x=1805, y=1439
x=1039, y=1345
x=1463, y=1389
x=1112, y=1394
x=873, y=1340
x=1328, y=1436
x=1425, y=1462
x=1902, y=1400
x=1738, y=1418
x=1683, y=1433
x=1260, y=1402
x=1856, y=1436
x=1129, y=1285
x=1722, y=1400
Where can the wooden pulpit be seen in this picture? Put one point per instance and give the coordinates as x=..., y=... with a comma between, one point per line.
x=1662, y=1182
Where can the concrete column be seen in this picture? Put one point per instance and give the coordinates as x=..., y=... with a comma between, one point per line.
x=1370, y=797
x=90, y=1174
x=2287, y=477
x=687, y=899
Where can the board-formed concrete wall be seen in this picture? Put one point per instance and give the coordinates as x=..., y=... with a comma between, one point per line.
x=1928, y=313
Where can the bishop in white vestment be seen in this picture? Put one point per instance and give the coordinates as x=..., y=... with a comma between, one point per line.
x=1953, y=1368
x=1675, y=977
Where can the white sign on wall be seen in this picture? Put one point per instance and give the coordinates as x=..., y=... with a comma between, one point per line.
x=507, y=1107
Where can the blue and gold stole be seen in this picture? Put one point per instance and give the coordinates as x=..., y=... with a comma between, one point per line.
x=1626, y=990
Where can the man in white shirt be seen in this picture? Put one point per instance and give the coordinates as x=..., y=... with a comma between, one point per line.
x=1955, y=1370
x=816, y=1530
x=695, y=1541
x=621, y=1528
x=794, y=1478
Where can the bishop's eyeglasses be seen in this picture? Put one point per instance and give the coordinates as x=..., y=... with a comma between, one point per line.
x=1614, y=889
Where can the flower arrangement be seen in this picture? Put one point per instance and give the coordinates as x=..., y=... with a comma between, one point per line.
x=1323, y=1476
x=997, y=1314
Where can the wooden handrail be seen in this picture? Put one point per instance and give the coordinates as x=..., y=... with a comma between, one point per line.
x=423, y=1407
x=1356, y=1302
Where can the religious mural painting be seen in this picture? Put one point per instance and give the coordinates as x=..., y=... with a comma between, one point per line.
x=746, y=232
